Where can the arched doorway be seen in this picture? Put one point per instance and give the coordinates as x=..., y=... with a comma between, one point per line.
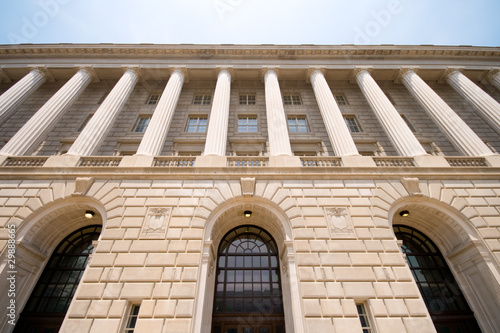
x=54, y=291
x=445, y=302
x=248, y=295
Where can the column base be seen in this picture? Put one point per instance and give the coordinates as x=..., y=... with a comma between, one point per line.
x=210, y=161
x=62, y=161
x=493, y=160
x=285, y=161
x=136, y=161
x=358, y=161
x=431, y=161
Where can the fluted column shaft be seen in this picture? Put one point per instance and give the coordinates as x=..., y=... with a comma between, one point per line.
x=338, y=132
x=219, y=116
x=156, y=133
x=484, y=103
x=394, y=126
x=16, y=94
x=495, y=80
x=100, y=124
x=450, y=123
x=279, y=141
x=44, y=120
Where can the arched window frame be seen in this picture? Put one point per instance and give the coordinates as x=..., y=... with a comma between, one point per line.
x=248, y=259
x=42, y=304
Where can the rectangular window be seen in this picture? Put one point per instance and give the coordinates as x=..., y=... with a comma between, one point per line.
x=247, y=99
x=352, y=124
x=197, y=125
x=142, y=124
x=363, y=317
x=247, y=124
x=297, y=125
x=408, y=122
x=153, y=99
x=292, y=99
x=132, y=318
x=202, y=99
x=340, y=99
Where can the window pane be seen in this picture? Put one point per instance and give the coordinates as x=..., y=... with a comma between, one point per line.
x=254, y=286
x=53, y=293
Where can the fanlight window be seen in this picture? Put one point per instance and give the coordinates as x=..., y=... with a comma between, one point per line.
x=248, y=283
x=54, y=291
x=442, y=295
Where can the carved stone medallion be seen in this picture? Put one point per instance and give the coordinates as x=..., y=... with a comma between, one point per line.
x=339, y=222
x=155, y=224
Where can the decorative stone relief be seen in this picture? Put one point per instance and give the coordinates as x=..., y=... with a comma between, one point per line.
x=339, y=222
x=155, y=225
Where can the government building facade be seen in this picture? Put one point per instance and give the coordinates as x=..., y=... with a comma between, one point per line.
x=249, y=188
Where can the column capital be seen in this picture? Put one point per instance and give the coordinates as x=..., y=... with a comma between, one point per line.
x=310, y=71
x=90, y=70
x=357, y=70
x=403, y=71
x=3, y=76
x=266, y=69
x=229, y=69
x=137, y=69
x=44, y=71
x=490, y=75
x=181, y=69
x=447, y=72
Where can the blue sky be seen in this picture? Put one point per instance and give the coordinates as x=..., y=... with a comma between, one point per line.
x=438, y=22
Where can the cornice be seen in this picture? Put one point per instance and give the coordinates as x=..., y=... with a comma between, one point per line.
x=280, y=52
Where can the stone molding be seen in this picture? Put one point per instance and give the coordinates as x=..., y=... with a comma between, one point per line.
x=239, y=51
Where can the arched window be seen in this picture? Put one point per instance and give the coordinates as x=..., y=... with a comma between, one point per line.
x=442, y=296
x=54, y=291
x=248, y=297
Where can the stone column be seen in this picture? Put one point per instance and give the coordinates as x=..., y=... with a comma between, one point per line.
x=219, y=116
x=493, y=77
x=44, y=120
x=100, y=124
x=338, y=132
x=279, y=141
x=16, y=94
x=156, y=133
x=482, y=102
x=395, y=127
x=450, y=123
